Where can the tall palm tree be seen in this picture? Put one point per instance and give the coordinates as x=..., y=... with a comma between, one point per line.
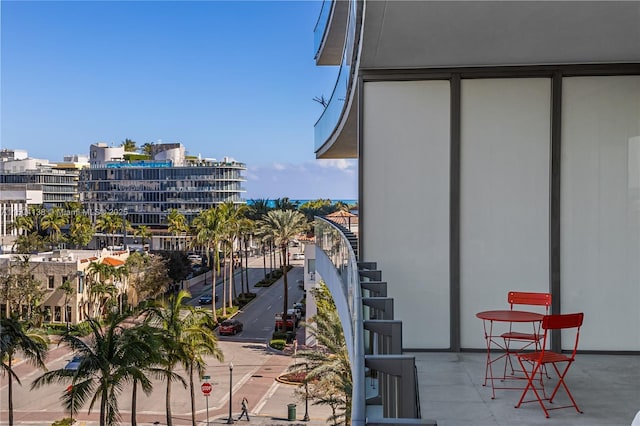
x=172, y=317
x=80, y=230
x=101, y=289
x=143, y=232
x=329, y=367
x=18, y=337
x=68, y=289
x=208, y=230
x=231, y=215
x=24, y=224
x=246, y=228
x=282, y=226
x=198, y=339
x=258, y=207
x=177, y=223
x=53, y=223
x=139, y=368
x=110, y=356
x=110, y=223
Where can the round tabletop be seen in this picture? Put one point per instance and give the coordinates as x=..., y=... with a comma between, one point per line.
x=507, y=315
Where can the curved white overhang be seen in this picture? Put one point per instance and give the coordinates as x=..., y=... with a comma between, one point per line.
x=343, y=142
x=330, y=32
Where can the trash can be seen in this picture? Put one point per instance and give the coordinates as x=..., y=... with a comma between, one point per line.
x=291, y=412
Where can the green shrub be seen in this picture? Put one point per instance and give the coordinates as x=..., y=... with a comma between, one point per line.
x=278, y=344
x=67, y=421
x=279, y=335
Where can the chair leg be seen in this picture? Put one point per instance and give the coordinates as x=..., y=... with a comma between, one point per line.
x=564, y=385
x=530, y=378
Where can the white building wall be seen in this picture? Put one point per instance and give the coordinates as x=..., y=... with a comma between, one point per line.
x=504, y=201
x=601, y=209
x=405, y=202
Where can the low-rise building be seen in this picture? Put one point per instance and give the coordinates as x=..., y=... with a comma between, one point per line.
x=49, y=271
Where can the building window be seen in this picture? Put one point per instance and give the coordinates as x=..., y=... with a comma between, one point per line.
x=47, y=313
x=68, y=314
x=57, y=314
x=51, y=282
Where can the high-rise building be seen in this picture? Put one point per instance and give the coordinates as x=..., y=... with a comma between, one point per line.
x=144, y=191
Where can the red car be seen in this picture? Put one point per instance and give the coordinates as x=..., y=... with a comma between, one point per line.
x=230, y=326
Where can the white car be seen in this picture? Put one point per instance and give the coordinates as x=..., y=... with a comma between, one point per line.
x=194, y=258
x=298, y=256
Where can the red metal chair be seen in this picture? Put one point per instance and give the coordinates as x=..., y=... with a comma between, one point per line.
x=517, y=341
x=538, y=359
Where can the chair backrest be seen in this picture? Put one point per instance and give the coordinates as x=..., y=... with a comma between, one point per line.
x=559, y=321
x=563, y=321
x=529, y=298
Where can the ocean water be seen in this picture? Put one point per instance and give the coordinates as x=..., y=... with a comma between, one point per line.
x=301, y=202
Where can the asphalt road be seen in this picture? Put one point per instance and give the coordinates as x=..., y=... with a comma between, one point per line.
x=258, y=316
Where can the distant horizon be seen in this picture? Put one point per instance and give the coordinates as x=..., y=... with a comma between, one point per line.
x=300, y=201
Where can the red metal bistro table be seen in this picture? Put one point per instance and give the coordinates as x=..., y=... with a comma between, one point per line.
x=496, y=342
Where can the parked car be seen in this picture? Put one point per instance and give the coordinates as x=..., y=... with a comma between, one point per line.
x=194, y=258
x=288, y=323
x=301, y=307
x=298, y=256
x=297, y=312
x=206, y=299
x=74, y=364
x=230, y=326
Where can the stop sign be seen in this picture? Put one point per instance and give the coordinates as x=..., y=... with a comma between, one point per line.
x=206, y=388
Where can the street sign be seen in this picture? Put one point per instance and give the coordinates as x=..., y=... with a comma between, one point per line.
x=206, y=377
x=206, y=388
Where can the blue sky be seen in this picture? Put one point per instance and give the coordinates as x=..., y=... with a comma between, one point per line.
x=233, y=79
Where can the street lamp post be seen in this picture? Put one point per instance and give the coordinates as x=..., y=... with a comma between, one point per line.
x=230, y=419
x=306, y=394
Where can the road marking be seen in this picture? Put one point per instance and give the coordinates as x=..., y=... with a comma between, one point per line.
x=266, y=396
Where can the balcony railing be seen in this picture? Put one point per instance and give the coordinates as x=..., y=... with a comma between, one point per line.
x=328, y=121
x=321, y=25
x=396, y=399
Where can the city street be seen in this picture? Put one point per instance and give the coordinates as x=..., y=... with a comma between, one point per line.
x=254, y=370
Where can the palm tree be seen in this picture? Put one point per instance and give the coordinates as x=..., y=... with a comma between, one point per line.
x=17, y=336
x=101, y=287
x=329, y=365
x=129, y=145
x=177, y=223
x=282, y=226
x=198, y=339
x=110, y=357
x=208, y=228
x=53, y=223
x=147, y=148
x=246, y=228
x=80, y=230
x=24, y=224
x=231, y=215
x=140, y=366
x=68, y=289
x=258, y=207
x=109, y=223
x=173, y=317
x=285, y=204
x=143, y=232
